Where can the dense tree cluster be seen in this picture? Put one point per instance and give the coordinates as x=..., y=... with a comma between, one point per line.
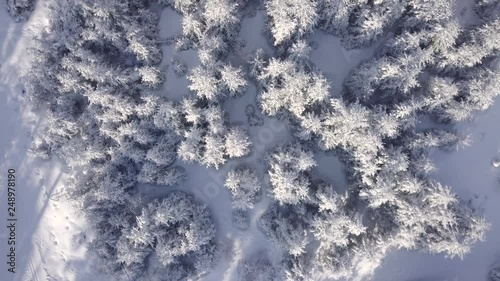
x=322, y=216
x=211, y=27
x=292, y=89
x=257, y=268
x=431, y=67
x=401, y=212
x=177, y=232
x=461, y=76
x=358, y=23
x=289, y=19
x=174, y=228
x=244, y=186
x=289, y=166
x=245, y=189
x=92, y=72
x=217, y=84
x=203, y=128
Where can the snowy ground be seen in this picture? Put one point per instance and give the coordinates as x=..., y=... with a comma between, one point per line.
x=51, y=234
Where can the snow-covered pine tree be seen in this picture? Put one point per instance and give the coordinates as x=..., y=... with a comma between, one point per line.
x=357, y=22
x=290, y=19
x=258, y=268
x=244, y=186
x=289, y=165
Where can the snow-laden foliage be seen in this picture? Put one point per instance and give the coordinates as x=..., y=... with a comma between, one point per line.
x=210, y=26
x=217, y=84
x=173, y=228
x=20, y=9
x=441, y=69
x=358, y=22
x=94, y=66
x=286, y=229
x=240, y=219
x=483, y=42
x=423, y=14
x=332, y=123
x=89, y=82
x=258, y=268
x=151, y=233
x=91, y=69
x=169, y=230
x=290, y=19
x=205, y=136
x=319, y=212
x=422, y=70
x=289, y=86
x=289, y=166
x=401, y=212
x=244, y=186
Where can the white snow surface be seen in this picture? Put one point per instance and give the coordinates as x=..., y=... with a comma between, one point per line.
x=51, y=234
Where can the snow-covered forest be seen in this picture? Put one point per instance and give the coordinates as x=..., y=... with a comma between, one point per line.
x=197, y=146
